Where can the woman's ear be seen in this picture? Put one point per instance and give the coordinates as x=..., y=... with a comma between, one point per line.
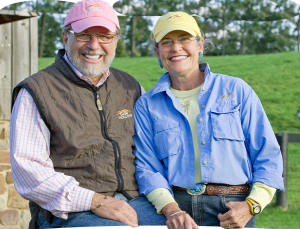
x=156, y=50
x=201, y=44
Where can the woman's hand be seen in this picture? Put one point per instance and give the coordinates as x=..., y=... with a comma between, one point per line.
x=114, y=209
x=178, y=219
x=237, y=216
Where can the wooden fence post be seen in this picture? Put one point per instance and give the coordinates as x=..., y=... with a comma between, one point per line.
x=281, y=197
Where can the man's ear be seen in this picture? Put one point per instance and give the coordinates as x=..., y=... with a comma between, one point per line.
x=65, y=38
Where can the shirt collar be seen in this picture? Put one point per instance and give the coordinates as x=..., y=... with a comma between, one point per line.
x=85, y=78
x=164, y=82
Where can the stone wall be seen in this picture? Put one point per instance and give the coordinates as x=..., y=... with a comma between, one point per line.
x=14, y=212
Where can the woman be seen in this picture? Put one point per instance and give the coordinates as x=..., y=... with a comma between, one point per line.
x=203, y=140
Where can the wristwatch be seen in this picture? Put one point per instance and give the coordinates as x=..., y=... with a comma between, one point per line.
x=255, y=208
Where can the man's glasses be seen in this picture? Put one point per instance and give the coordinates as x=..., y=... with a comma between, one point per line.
x=102, y=38
x=182, y=41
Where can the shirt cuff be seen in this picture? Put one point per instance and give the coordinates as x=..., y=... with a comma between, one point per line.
x=80, y=199
x=262, y=194
x=160, y=197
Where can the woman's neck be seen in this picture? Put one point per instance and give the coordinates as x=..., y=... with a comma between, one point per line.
x=187, y=82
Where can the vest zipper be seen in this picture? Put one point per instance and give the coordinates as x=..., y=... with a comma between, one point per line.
x=99, y=105
x=116, y=147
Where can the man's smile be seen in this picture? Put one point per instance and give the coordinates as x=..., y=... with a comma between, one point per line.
x=92, y=57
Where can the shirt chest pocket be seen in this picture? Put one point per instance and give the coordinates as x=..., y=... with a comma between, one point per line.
x=167, y=138
x=226, y=123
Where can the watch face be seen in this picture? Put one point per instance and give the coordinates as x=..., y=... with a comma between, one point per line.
x=256, y=209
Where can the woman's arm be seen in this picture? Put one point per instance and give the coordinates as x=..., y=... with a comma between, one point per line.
x=261, y=143
x=150, y=172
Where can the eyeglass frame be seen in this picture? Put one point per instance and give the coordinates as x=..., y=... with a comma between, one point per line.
x=95, y=35
x=158, y=44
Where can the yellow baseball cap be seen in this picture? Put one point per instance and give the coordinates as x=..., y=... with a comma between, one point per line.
x=175, y=21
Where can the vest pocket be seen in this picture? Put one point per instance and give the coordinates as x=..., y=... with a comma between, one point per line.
x=167, y=138
x=226, y=123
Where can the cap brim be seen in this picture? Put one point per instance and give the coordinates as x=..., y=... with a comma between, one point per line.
x=173, y=28
x=81, y=25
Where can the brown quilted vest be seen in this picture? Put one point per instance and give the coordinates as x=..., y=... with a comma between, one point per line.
x=91, y=143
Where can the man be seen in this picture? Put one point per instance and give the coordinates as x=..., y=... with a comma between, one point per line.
x=72, y=128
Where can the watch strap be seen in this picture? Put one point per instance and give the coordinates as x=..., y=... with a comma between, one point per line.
x=255, y=208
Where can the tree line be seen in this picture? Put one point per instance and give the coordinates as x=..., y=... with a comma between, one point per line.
x=235, y=26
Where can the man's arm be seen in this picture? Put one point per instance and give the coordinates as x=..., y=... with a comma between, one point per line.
x=35, y=178
x=32, y=169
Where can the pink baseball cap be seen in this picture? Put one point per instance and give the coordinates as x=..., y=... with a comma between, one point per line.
x=88, y=13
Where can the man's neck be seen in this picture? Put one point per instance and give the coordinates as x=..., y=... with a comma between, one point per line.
x=95, y=80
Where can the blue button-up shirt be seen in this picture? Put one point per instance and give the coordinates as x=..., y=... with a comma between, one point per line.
x=237, y=142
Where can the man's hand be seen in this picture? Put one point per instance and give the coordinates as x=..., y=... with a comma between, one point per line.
x=181, y=220
x=114, y=209
x=238, y=215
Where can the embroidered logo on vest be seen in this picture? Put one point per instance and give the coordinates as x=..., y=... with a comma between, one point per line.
x=124, y=114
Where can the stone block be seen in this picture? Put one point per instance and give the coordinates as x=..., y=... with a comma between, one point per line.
x=9, y=217
x=4, y=167
x=10, y=227
x=3, y=201
x=15, y=200
x=4, y=157
x=2, y=184
x=4, y=145
x=4, y=135
x=25, y=219
x=9, y=179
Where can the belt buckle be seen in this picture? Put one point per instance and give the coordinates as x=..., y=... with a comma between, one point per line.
x=196, y=192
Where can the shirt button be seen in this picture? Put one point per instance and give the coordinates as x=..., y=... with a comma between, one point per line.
x=200, y=120
x=203, y=143
x=203, y=89
x=203, y=106
x=209, y=91
x=204, y=162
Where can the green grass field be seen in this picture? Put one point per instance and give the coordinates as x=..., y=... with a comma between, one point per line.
x=276, y=80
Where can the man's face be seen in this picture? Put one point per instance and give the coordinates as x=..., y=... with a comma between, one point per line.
x=91, y=58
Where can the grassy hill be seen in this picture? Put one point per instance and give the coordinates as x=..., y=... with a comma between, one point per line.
x=274, y=77
x=276, y=80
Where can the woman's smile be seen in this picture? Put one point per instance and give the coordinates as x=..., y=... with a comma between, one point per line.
x=178, y=58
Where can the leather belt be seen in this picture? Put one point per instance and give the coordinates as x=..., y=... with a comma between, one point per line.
x=217, y=189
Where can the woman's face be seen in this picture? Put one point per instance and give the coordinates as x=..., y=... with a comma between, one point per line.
x=179, y=52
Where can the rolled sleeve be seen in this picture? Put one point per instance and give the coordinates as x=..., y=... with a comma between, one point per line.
x=159, y=198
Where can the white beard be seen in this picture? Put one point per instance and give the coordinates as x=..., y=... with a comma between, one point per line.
x=88, y=69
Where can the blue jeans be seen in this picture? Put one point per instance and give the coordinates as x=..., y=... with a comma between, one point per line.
x=204, y=209
x=145, y=210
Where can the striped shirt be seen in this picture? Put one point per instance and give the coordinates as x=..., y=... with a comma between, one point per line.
x=32, y=169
